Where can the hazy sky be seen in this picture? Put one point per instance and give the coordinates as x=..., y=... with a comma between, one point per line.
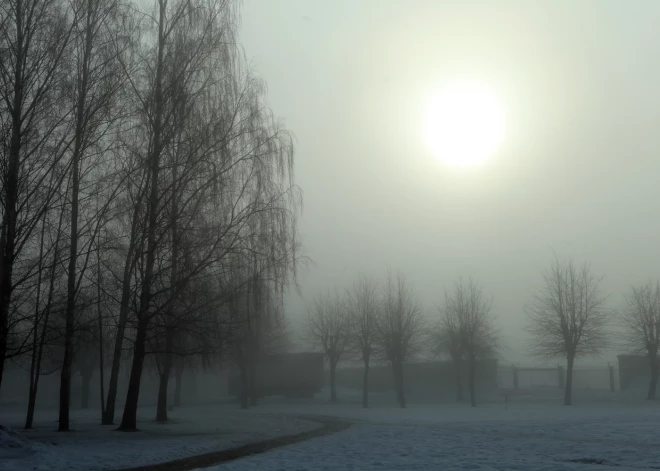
x=578, y=173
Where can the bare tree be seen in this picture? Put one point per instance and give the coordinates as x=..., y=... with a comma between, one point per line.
x=641, y=323
x=34, y=40
x=43, y=314
x=329, y=325
x=567, y=317
x=466, y=328
x=445, y=340
x=400, y=328
x=96, y=82
x=363, y=308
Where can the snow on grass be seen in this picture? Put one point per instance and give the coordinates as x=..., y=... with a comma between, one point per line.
x=191, y=431
x=534, y=433
x=387, y=447
x=534, y=436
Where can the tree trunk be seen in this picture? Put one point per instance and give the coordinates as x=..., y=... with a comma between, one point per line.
x=252, y=378
x=458, y=372
x=653, y=362
x=32, y=400
x=365, y=384
x=568, y=391
x=244, y=387
x=99, y=314
x=164, y=378
x=472, y=369
x=400, y=380
x=161, y=408
x=333, y=384
x=10, y=188
x=109, y=411
x=178, y=374
x=86, y=376
x=65, y=377
x=129, y=418
x=35, y=333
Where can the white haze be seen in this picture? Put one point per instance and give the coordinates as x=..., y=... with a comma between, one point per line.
x=577, y=173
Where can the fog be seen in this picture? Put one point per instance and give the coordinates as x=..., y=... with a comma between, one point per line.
x=329, y=235
x=576, y=173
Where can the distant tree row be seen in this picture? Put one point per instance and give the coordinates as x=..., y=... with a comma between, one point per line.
x=566, y=318
x=147, y=195
x=387, y=322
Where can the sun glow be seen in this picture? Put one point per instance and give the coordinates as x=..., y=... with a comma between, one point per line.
x=464, y=124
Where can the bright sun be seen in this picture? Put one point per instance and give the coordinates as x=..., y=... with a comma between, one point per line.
x=464, y=124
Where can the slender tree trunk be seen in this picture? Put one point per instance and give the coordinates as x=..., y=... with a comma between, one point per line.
x=32, y=400
x=109, y=411
x=472, y=366
x=244, y=387
x=129, y=418
x=400, y=380
x=569, y=380
x=333, y=384
x=161, y=408
x=365, y=384
x=10, y=187
x=86, y=375
x=164, y=379
x=653, y=361
x=163, y=384
x=458, y=372
x=35, y=333
x=100, y=319
x=178, y=376
x=252, y=378
x=65, y=377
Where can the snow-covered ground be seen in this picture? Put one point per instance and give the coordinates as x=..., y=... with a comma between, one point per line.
x=192, y=431
x=532, y=434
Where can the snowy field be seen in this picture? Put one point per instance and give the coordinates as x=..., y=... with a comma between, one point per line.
x=192, y=431
x=534, y=432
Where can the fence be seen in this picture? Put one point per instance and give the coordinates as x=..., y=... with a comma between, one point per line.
x=525, y=377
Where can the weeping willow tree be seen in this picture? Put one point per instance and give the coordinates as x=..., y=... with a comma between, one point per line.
x=219, y=185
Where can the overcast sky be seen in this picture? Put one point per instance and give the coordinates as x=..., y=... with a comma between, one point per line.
x=578, y=172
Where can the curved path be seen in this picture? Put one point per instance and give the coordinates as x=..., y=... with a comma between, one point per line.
x=329, y=426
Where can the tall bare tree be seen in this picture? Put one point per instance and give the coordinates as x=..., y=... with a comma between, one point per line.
x=641, y=323
x=328, y=324
x=466, y=328
x=34, y=43
x=445, y=340
x=567, y=317
x=42, y=315
x=401, y=328
x=96, y=81
x=364, y=308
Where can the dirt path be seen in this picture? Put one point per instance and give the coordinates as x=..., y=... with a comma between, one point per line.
x=329, y=426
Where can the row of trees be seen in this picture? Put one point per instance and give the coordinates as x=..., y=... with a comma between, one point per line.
x=388, y=323
x=148, y=202
x=567, y=318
